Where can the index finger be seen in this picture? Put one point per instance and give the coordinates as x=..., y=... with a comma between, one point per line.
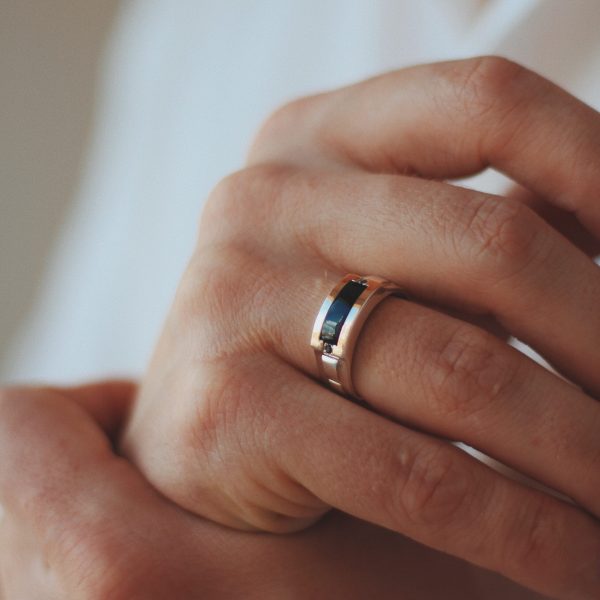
x=454, y=119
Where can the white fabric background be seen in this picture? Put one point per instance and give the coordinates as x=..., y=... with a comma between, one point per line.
x=186, y=84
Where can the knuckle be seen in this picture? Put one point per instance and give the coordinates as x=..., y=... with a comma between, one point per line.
x=538, y=538
x=230, y=296
x=233, y=300
x=433, y=489
x=243, y=200
x=278, y=126
x=211, y=295
x=226, y=429
x=541, y=543
x=235, y=431
x=484, y=83
x=499, y=237
x=231, y=413
x=275, y=515
x=223, y=397
x=227, y=194
x=467, y=373
x=533, y=542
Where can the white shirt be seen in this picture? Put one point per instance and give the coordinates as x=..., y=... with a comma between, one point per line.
x=186, y=84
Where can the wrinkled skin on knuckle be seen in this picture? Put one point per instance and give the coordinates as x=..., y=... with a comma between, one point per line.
x=236, y=278
x=211, y=300
x=496, y=97
x=221, y=429
x=262, y=516
x=217, y=326
x=529, y=545
x=536, y=539
x=226, y=291
x=229, y=402
x=236, y=433
x=207, y=446
x=487, y=85
x=227, y=303
x=498, y=238
x=431, y=489
x=466, y=374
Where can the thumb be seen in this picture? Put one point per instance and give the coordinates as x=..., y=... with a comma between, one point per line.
x=43, y=428
x=47, y=433
x=99, y=528
x=107, y=402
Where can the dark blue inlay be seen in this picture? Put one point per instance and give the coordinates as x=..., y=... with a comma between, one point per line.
x=338, y=311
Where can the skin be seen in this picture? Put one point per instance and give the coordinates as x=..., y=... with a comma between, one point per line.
x=82, y=523
x=230, y=424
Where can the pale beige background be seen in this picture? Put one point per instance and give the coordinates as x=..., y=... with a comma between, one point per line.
x=49, y=57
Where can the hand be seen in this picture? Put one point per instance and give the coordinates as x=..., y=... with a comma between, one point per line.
x=230, y=423
x=83, y=524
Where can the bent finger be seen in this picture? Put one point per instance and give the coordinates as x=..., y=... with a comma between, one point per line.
x=476, y=252
x=85, y=506
x=448, y=120
x=436, y=494
x=256, y=437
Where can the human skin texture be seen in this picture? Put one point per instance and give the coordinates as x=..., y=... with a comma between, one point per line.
x=233, y=473
x=230, y=423
x=81, y=523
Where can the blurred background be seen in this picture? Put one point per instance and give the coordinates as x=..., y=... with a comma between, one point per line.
x=50, y=55
x=117, y=118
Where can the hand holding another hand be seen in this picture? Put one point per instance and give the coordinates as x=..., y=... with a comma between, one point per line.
x=81, y=523
x=230, y=423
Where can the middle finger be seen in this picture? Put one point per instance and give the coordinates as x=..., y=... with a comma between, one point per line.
x=472, y=251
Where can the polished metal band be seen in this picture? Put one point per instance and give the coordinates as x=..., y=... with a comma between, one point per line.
x=338, y=325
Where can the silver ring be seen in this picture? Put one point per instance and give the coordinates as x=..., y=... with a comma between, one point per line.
x=338, y=325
